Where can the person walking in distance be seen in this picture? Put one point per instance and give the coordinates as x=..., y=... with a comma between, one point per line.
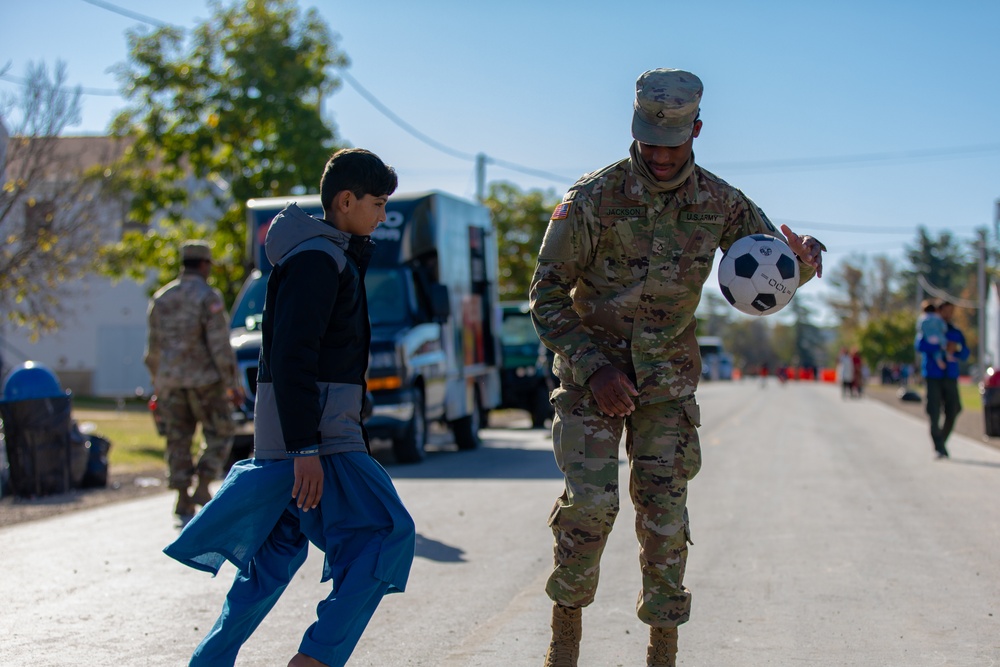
x=619, y=276
x=193, y=369
x=942, y=383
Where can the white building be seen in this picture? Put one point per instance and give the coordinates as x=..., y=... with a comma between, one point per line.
x=98, y=348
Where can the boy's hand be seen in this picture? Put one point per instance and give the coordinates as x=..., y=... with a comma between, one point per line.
x=308, y=487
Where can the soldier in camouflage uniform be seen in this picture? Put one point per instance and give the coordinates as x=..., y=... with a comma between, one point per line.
x=194, y=375
x=619, y=275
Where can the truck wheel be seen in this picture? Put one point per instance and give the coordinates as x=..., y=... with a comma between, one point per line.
x=411, y=447
x=541, y=409
x=466, y=429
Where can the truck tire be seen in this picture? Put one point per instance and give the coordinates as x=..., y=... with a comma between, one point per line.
x=411, y=447
x=466, y=429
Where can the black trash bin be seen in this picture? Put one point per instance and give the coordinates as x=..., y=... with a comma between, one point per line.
x=991, y=409
x=36, y=417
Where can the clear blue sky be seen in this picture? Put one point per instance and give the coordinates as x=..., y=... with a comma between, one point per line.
x=908, y=90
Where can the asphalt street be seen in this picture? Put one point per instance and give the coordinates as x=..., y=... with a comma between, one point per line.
x=825, y=534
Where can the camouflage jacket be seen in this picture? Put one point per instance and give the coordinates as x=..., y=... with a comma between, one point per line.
x=188, y=341
x=620, y=274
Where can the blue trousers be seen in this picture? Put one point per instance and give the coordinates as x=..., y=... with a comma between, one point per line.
x=342, y=616
x=360, y=524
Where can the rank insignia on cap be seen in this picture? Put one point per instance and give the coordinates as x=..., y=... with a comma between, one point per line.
x=561, y=212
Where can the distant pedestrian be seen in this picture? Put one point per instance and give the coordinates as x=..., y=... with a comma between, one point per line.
x=193, y=369
x=845, y=369
x=942, y=384
x=312, y=478
x=859, y=372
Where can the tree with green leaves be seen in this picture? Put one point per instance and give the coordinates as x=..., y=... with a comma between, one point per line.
x=230, y=113
x=941, y=261
x=51, y=211
x=888, y=338
x=520, y=219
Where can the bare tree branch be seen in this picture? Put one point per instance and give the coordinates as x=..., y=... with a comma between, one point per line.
x=53, y=218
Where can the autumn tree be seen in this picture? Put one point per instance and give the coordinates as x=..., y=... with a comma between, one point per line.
x=231, y=113
x=520, y=219
x=51, y=211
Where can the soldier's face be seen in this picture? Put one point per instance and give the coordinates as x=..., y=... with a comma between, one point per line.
x=666, y=161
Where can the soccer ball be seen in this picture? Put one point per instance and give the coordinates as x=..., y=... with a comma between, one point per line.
x=759, y=274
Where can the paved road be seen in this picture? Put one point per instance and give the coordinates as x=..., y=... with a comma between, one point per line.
x=825, y=535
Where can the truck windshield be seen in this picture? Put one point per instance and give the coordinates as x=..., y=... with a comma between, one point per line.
x=250, y=303
x=388, y=300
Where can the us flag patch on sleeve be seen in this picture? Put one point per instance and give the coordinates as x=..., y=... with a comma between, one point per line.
x=561, y=212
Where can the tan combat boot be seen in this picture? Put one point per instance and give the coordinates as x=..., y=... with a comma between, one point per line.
x=567, y=628
x=185, y=507
x=662, y=650
x=201, y=494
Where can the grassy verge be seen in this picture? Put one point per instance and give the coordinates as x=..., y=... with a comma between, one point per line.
x=134, y=442
x=971, y=400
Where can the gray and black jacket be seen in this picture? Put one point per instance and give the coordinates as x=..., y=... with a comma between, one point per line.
x=315, y=339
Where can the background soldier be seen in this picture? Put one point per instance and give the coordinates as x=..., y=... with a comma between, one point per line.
x=194, y=375
x=619, y=277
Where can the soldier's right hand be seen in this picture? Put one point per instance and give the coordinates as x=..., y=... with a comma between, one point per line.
x=236, y=396
x=613, y=391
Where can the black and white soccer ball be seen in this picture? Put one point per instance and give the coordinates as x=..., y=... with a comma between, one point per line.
x=759, y=274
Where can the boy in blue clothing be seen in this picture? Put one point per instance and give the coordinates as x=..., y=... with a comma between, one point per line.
x=312, y=478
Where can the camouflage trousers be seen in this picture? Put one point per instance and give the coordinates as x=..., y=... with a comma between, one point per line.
x=182, y=410
x=661, y=443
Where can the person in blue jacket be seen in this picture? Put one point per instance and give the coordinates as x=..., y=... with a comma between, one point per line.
x=942, y=383
x=312, y=478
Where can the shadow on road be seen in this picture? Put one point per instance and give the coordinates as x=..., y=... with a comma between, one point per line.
x=971, y=462
x=499, y=458
x=486, y=463
x=439, y=551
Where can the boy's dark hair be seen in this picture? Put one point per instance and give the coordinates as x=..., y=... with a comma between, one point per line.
x=360, y=171
x=929, y=306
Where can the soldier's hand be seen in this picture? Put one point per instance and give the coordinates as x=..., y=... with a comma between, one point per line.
x=236, y=395
x=308, y=487
x=807, y=248
x=613, y=391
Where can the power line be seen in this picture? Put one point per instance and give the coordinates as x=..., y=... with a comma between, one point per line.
x=142, y=18
x=759, y=166
x=369, y=97
x=830, y=162
x=942, y=294
x=83, y=91
x=388, y=113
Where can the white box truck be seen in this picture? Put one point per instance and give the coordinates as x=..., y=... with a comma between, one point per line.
x=435, y=315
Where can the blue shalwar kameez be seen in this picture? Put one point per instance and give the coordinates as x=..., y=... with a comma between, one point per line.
x=253, y=522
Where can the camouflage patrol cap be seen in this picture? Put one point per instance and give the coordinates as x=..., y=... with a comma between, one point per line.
x=666, y=105
x=194, y=250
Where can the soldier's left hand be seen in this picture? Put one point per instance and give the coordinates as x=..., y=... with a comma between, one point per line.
x=807, y=248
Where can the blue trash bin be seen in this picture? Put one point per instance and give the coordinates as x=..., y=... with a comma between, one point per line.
x=36, y=415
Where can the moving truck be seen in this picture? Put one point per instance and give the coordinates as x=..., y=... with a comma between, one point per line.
x=435, y=315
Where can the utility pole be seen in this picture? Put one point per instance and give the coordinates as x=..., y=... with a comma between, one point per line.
x=981, y=284
x=481, y=160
